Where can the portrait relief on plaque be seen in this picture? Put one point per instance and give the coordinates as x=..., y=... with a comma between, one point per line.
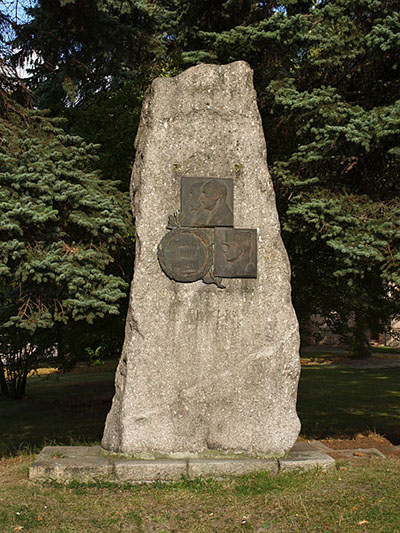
x=206, y=202
x=235, y=253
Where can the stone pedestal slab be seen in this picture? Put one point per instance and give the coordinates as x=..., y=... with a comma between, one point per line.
x=91, y=463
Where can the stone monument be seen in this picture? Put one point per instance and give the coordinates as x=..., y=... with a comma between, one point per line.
x=207, y=381
x=210, y=362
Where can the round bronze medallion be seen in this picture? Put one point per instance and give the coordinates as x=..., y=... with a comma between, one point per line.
x=185, y=254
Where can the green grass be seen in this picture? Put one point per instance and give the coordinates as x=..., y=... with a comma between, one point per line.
x=385, y=349
x=352, y=498
x=327, y=352
x=340, y=401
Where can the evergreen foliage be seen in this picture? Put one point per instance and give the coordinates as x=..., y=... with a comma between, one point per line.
x=110, y=119
x=339, y=185
x=90, y=61
x=61, y=230
x=81, y=47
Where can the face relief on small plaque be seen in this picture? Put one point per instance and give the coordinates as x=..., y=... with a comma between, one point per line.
x=235, y=253
x=206, y=202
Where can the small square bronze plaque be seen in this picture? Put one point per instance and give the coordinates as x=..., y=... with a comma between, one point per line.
x=206, y=202
x=235, y=253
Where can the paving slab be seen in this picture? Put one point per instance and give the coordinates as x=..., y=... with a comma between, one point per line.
x=68, y=463
x=220, y=468
x=305, y=456
x=320, y=446
x=92, y=463
x=142, y=471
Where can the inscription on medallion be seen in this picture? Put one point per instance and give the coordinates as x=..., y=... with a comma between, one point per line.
x=185, y=255
x=235, y=253
x=206, y=202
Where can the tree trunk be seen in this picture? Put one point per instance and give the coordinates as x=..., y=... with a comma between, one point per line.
x=361, y=348
x=20, y=385
x=15, y=387
x=4, y=390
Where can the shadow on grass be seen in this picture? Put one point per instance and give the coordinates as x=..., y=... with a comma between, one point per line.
x=337, y=401
x=58, y=409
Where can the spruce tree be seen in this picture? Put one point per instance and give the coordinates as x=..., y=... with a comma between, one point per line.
x=326, y=74
x=78, y=48
x=62, y=229
x=339, y=184
x=90, y=61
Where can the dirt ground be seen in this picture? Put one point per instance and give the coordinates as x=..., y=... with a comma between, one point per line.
x=360, y=442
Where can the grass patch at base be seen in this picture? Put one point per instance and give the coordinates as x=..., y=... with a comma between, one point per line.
x=333, y=401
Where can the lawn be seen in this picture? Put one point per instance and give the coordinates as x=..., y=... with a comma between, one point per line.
x=334, y=400
x=58, y=409
x=338, y=401
x=351, y=499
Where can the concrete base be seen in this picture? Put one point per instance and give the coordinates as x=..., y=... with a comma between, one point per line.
x=91, y=463
x=305, y=456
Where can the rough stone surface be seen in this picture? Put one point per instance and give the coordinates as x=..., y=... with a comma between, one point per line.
x=69, y=463
x=320, y=446
x=205, y=368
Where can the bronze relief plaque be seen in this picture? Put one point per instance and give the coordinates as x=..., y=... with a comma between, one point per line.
x=206, y=202
x=235, y=253
x=185, y=254
x=202, y=243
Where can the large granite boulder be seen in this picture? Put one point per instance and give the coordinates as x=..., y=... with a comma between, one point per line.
x=203, y=368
